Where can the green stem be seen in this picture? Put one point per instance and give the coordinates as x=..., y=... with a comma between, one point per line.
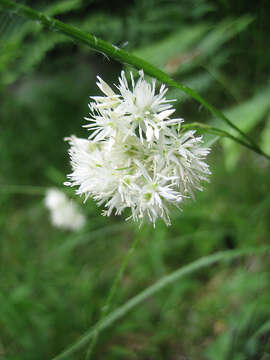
x=117, y=314
x=119, y=55
x=110, y=296
x=204, y=128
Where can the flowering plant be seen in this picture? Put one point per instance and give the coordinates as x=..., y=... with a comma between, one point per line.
x=136, y=156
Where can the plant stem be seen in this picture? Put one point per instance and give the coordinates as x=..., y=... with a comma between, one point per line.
x=119, y=55
x=204, y=128
x=110, y=296
x=120, y=312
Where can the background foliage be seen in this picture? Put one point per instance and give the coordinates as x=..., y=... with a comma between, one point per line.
x=53, y=283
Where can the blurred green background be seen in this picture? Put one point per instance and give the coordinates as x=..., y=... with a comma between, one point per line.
x=53, y=282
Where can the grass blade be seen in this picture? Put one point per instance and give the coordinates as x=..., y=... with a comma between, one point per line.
x=158, y=286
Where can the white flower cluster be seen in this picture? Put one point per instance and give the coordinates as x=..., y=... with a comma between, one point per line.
x=64, y=213
x=136, y=157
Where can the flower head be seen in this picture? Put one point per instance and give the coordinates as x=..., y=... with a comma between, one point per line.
x=137, y=157
x=64, y=213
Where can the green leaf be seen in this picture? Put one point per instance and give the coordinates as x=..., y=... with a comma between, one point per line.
x=210, y=50
x=245, y=116
x=179, y=43
x=61, y=7
x=265, y=137
x=193, y=45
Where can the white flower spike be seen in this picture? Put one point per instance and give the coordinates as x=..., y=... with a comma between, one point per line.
x=136, y=157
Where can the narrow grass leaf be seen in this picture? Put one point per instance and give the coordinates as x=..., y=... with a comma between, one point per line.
x=158, y=286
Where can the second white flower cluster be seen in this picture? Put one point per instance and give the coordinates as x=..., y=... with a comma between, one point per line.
x=137, y=156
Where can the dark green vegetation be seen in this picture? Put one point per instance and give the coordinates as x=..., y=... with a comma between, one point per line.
x=53, y=283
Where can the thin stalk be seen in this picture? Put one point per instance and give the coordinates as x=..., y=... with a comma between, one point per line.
x=119, y=55
x=191, y=268
x=204, y=128
x=110, y=296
